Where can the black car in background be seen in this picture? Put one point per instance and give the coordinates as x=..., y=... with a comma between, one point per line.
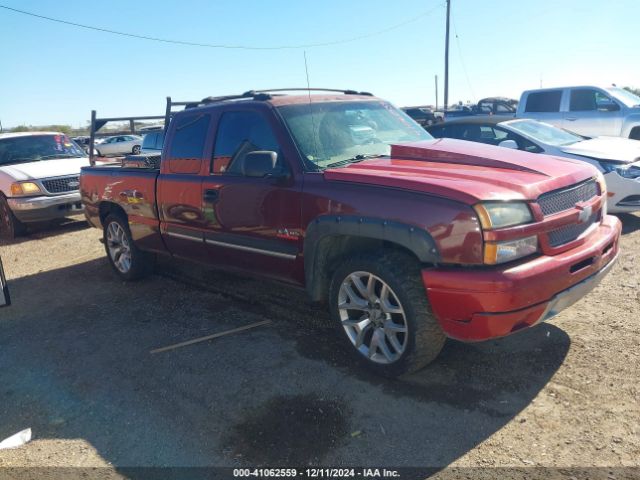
x=423, y=115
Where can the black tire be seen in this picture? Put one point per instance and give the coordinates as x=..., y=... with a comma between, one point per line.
x=635, y=133
x=98, y=152
x=136, y=149
x=10, y=226
x=141, y=263
x=401, y=273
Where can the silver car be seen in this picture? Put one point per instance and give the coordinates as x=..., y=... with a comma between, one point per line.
x=119, y=145
x=586, y=110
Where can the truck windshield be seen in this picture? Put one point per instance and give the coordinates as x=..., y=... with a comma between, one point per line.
x=332, y=134
x=625, y=96
x=544, y=133
x=33, y=148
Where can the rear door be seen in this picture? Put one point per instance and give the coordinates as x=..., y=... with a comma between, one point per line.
x=545, y=106
x=252, y=224
x=593, y=113
x=180, y=202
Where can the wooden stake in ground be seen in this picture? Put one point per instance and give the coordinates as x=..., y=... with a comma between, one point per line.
x=210, y=337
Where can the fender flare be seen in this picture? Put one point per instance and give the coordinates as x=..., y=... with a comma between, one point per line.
x=410, y=237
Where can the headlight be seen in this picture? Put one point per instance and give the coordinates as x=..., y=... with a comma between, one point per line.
x=624, y=170
x=500, y=252
x=24, y=188
x=502, y=214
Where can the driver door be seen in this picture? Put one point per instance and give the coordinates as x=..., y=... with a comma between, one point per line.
x=253, y=223
x=592, y=113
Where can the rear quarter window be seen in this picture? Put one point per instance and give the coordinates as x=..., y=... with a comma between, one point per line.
x=187, y=145
x=544, y=101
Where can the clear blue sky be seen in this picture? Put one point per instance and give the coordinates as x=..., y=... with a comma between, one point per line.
x=53, y=73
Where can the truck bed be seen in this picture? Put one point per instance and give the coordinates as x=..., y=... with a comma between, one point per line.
x=132, y=188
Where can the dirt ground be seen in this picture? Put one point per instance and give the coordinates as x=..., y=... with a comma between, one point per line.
x=76, y=367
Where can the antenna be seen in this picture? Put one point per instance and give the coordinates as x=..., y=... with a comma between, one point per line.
x=313, y=122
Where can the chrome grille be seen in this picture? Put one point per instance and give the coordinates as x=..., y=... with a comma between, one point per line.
x=62, y=185
x=560, y=200
x=569, y=233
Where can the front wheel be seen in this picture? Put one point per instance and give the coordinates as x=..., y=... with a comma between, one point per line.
x=136, y=149
x=129, y=262
x=380, y=308
x=10, y=226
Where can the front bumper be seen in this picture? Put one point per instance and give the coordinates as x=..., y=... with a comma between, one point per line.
x=479, y=304
x=37, y=209
x=623, y=193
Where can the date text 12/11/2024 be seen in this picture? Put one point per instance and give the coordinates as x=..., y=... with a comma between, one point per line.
x=316, y=473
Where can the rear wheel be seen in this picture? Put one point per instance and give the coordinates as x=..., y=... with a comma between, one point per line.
x=635, y=133
x=129, y=262
x=380, y=308
x=10, y=226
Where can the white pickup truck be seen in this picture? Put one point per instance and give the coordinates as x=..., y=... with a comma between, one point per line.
x=586, y=110
x=39, y=179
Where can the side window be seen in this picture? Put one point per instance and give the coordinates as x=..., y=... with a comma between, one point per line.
x=501, y=108
x=437, y=132
x=473, y=133
x=583, y=100
x=240, y=133
x=456, y=131
x=187, y=144
x=548, y=101
x=589, y=100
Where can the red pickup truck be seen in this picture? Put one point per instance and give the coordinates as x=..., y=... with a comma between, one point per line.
x=408, y=239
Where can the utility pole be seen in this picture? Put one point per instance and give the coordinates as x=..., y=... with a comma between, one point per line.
x=446, y=59
x=436, y=92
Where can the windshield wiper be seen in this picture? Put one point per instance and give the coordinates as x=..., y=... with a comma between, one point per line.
x=355, y=159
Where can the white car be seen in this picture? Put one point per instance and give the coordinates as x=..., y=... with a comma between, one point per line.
x=39, y=179
x=119, y=145
x=618, y=158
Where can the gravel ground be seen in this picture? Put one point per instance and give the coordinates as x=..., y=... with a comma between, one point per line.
x=77, y=369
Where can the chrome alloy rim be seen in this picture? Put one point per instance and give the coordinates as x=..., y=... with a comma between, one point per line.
x=372, y=317
x=119, y=249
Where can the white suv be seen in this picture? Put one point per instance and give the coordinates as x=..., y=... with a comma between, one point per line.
x=39, y=179
x=589, y=111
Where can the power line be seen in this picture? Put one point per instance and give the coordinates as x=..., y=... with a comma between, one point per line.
x=226, y=46
x=464, y=67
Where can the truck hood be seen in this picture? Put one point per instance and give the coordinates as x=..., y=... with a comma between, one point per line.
x=45, y=168
x=466, y=171
x=606, y=148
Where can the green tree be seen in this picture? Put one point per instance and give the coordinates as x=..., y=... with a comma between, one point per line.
x=633, y=90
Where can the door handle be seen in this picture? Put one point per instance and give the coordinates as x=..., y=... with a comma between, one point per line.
x=211, y=196
x=571, y=119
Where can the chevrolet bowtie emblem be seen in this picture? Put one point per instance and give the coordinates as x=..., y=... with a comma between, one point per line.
x=584, y=214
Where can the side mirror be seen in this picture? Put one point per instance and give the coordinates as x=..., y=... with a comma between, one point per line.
x=508, y=144
x=260, y=163
x=5, y=299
